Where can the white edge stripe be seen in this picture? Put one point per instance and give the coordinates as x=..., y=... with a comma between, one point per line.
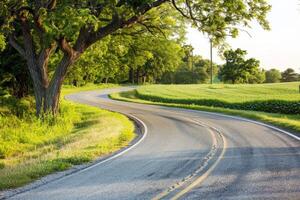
x=252, y=121
x=118, y=154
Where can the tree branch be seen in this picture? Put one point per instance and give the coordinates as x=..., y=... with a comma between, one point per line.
x=13, y=42
x=118, y=23
x=43, y=60
x=179, y=10
x=66, y=47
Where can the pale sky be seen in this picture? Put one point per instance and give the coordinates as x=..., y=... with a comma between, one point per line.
x=278, y=48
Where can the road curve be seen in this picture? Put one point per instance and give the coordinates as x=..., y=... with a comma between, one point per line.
x=185, y=155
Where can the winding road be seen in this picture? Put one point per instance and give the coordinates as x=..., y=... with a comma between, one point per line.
x=185, y=154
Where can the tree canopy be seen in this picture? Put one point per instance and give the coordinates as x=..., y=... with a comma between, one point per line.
x=42, y=29
x=289, y=75
x=273, y=76
x=240, y=70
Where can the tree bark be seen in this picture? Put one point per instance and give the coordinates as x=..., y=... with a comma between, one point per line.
x=47, y=94
x=138, y=76
x=131, y=75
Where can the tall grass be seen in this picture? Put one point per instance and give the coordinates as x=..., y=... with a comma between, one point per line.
x=31, y=148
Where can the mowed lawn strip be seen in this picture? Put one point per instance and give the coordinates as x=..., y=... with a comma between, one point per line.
x=288, y=122
x=225, y=92
x=31, y=148
x=282, y=98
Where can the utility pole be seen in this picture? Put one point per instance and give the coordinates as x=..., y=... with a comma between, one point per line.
x=192, y=59
x=211, y=61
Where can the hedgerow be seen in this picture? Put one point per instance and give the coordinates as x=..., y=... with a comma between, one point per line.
x=270, y=106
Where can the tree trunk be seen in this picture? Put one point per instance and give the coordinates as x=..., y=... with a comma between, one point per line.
x=47, y=94
x=138, y=76
x=131, y=75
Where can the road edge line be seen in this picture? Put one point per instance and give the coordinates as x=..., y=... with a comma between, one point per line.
x=248, y=120
x=39, y=183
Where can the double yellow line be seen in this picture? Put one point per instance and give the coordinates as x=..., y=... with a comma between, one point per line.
x=201, y=178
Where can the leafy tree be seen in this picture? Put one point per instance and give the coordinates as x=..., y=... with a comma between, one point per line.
x=289, y=75
x=194, y=69
x=239, y=70
x=213, y=17
x=38, y=29
x=166, y=56
x=14, y=77
x=273, y=76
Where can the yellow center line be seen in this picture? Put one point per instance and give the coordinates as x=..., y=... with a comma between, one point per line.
x=202, y=177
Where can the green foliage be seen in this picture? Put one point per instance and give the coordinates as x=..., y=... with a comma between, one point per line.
x=273, y=76
x=59, y=32
x=31, y=148
x=289, y=75
x=193, y=69
x=2, y=42
x=239, y=70
x=219, y=18
x=14, y=78
x=280, y=98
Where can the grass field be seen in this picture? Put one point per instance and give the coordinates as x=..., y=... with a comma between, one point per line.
x=182, y=95
x=31, y=148
x=225, y=92
x=283, y=98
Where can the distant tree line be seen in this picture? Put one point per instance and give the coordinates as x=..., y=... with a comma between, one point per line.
x=238, y=69
x=144, y=59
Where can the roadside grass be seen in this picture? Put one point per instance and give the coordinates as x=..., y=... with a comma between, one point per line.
x=31, y=148
x=282, y=98
x=68, y=89
x=287, y=122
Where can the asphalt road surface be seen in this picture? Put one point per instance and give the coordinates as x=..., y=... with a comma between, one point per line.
x=185, y=154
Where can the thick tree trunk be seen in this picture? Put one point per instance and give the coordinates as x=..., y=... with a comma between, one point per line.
x=47, y=94
x=52, y=93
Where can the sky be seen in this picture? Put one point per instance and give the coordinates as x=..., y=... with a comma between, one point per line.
x=278, y=48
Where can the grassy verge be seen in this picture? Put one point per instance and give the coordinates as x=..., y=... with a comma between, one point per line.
x=68, y=89
x=31, y=148
x=282, y=98
x=288, y=122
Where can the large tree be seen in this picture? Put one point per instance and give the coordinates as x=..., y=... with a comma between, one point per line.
x=273, y=76
x=289, y=75
x=37, y=29
x=237, y=69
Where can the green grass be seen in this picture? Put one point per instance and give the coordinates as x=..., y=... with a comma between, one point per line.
x=225, y=92
x=288, y=122
x=68, y=89
x=31, y=148
x=281, y=98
